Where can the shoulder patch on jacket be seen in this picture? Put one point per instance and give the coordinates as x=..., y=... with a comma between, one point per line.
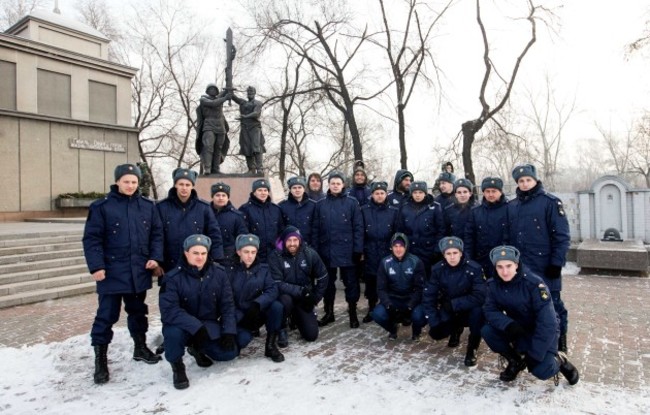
x=543, y=292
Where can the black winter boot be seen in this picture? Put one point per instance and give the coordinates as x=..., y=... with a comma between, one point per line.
x=201, y=359
x=515, y=365
x=329, y=315
x=454, y=337
x=568, y=370
x=141, y=352
x=101, y=364
x=371, y=306
x=472, y=346
x=283, y=338
x=352, y=311
x=271, y=348
x=561, y=346
x=180, y=377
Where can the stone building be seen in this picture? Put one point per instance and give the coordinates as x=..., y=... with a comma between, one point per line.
x=65, y=114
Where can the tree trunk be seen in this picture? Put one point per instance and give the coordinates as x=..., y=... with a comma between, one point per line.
x=469, y=128
x=402, y=137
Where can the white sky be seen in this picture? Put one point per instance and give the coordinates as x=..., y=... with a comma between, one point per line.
x=585, y=59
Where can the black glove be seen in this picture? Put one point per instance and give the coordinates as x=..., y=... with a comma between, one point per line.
x=251, y=317
x=514, y=331
x=307, y=302
x=446, y=305
x=393, y=314
x=200, y=337
x=227, y=342
x=356, y=257
x=553, y=272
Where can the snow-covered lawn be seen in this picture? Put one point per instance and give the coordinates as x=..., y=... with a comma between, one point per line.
x=344, y=372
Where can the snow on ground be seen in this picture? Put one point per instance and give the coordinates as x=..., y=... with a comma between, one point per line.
x=342, y=373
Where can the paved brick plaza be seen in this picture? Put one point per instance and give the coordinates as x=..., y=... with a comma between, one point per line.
x=609, y=332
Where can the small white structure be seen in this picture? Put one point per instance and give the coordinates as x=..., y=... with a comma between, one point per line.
x=612, y=204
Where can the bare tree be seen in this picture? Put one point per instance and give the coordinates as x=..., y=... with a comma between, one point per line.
x=323, y=34
x=548, y=117
x=640, y=160
x=13, y=10
x=407, y=50
x=471, y=127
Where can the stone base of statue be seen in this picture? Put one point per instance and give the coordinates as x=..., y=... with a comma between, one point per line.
x=241, y=186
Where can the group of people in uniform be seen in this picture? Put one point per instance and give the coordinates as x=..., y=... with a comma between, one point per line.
x=442, y=263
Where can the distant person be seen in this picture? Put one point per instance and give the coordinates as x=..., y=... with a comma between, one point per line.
x=197, y=310
x=231, y=221
x=315, y=183
x=298, y=209
x=487, y=226
x=401, y=188
x=360, y=189
x=123, y=244
x=522, y=325
x=539, y=229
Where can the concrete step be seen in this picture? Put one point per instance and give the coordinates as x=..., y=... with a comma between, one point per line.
x=39, y=256
x=54, y=282
x=46, y=294
x=41, y=265
x=47, y=247
x=42, y=240
x=41, y=274
x=40, y=234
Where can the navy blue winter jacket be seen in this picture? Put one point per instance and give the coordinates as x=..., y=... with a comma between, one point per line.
x=361, y=193
x=293, y=273
x=526, y=300
x=231, y=223
x=456, y=217
x=249, y=285
x=190, y=298
x=299, y=214
x=121, y=234
x=463, y=285
x=540, y=230
x=423, y=224
x=181, y=220
x=379, y=225
x=487, y=227
x=337, y=230
x=265, y=220
x=400, y=279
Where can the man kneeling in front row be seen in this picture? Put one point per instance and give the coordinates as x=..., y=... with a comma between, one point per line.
x=197, y=310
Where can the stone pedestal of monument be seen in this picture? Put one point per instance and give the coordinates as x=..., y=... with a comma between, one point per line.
x=240, y=187
x=620, y=258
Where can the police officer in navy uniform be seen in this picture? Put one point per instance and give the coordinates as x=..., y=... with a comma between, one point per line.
x=302, y=278
x=400, y=279
x=337, y=235
x=453, y=298
x=197, y=310
x=421, y=219
x=263, y=217
x=231, y=221
x=123, y=244
x=379, y=225
x=487, y=226
x=522, y=324
x=255, y=293
x=184, y=214
x=457, y=213
x=446, y=182
x=540, y=230
x=298, y=209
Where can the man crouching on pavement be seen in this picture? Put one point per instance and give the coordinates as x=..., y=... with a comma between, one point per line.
x=197, y=310
x=255, y=294
x=301, y=277
x=521, y=322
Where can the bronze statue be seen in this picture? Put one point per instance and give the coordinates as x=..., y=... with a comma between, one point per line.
x=251, y=139
x=212, y=142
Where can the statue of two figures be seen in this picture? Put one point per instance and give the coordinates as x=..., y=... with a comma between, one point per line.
x=212, y=141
